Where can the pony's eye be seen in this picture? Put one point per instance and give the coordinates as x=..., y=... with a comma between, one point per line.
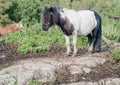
x=48, y=23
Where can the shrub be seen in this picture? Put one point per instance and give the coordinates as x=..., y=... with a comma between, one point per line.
x=112, y=30
x=4, y=18
x=35, y=83
x=116, y=54
x=26, y=11
x=33, y=39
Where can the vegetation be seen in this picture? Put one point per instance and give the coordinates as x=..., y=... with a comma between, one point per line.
x=4, y=17
x=33, y=39
x=35, y=83
x=29, y=13
x=49, y=82
x=116, y=54
x=25, y=11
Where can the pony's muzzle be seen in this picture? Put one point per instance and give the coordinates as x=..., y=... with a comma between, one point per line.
x=44, y=27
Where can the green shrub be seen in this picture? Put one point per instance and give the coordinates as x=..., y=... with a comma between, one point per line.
x=112, y=30
x=4, y=17
x=116, y=54
x=1, y=40
x=35, y=83
x=34, y=39
x=29, y=12
x=25, y=11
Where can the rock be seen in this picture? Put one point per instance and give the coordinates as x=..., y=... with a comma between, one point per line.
x=107, y=81
x=75, y=69
x=43, y=70
x=26, y=72
x=7, y=79
x=89, y=61
x=79, y=69
x=86, y=70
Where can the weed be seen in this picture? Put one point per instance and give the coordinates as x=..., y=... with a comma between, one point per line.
x=35, y=83
x=116, y=54
x=34, y=39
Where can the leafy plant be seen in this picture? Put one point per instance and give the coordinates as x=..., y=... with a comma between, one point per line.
x=116, y=54
x=112, y=30
x=35, y=83
x=29, y=12
x=34, y=39
x=4, y=18
x=26, y=11
x=1, y=41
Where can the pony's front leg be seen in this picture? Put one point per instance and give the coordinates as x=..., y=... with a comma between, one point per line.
x=74, y=44
x=67, y=38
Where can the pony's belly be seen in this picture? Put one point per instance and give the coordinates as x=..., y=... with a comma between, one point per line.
x=84, y=31
x=79, y=33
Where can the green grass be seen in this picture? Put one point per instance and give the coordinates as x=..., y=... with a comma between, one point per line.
x=35, y=83
x=1, y=40
x=111, y=30
x=49, y=82
x=34, y=39
x=116, y=54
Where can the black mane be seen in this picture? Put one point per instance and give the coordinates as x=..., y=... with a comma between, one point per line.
x=56, y=18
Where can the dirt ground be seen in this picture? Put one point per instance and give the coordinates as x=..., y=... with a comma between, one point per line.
x=9, y=56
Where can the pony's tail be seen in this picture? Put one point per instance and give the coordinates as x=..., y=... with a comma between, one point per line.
x=98, y=35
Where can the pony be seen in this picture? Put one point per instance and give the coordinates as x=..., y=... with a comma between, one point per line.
x=76, y=23
x=10, y=29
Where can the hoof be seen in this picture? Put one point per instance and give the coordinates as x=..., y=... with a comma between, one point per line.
x=67, y=54
x=90, y=50
x=74, y=55
x=98, y=50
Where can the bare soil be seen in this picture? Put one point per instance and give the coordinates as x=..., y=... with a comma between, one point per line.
x=9, y=56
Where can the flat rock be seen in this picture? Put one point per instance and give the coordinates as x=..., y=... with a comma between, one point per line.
x=43, y=69
x=107, y=81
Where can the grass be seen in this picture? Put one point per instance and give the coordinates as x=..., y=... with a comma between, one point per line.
x=34, y=39
x=35, y=83
x=1, y=40
x=49, y=82
x=116, y=54
x=111, y=30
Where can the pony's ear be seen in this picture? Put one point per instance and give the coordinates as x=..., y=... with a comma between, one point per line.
x=45, y=7
x=51, y=9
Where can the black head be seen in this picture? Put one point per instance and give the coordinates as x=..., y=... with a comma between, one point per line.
x=48, y=18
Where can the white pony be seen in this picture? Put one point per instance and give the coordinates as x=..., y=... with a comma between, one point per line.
x=75, y=23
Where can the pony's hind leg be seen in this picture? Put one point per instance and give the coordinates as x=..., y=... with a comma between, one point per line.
x=67, y=38
x=89, y=38
x=92, y=39
x=97, y=47
x=97, y=44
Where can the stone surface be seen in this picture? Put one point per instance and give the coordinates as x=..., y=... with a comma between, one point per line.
x=25, y=72
x=107, y=81
x=43, y=69
x=7, y=79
